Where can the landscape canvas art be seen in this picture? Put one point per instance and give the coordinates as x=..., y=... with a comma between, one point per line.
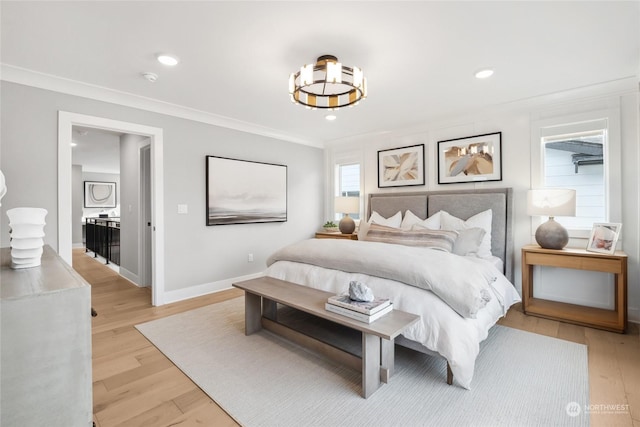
x=470, y=159
x=241, y=191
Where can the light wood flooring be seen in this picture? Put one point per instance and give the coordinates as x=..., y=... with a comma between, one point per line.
x=134, y=384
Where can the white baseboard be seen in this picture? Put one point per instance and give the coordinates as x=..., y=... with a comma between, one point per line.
x=633, y=314
x=132, y=277
x=205, y=289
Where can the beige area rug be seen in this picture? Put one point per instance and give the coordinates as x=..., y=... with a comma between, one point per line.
x=521, y=379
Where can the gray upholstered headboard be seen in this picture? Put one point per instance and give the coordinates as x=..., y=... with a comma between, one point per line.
x=462, y=204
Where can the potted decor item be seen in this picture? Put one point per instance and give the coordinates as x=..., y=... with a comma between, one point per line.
x=27, y=233
x=330, y=226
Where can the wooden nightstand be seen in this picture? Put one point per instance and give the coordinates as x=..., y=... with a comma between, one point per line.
x=335, y=235
x=579, y=259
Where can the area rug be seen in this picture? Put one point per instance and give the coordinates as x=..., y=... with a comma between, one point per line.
x=521, y=378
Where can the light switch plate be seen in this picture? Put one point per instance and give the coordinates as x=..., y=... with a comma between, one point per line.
x=183, y=209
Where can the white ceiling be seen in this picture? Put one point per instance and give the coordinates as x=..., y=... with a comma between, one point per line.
x=96, y=150
x=419, y=57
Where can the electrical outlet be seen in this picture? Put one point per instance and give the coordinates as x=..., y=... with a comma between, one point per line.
x=183, y=209
x=250, y=258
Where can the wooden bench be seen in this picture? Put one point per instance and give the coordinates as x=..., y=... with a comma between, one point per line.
x=377, y=358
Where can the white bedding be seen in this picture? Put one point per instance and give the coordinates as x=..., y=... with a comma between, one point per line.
x=441, y=330
x=464, y=283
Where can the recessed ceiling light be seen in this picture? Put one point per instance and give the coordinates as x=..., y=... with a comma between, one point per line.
x=483, y=74
x=167, y=60
x=330, y=117
x=73, y=144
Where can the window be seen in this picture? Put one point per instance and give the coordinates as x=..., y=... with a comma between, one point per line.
x=348, y=183
x=582, y=152
x=576, y=161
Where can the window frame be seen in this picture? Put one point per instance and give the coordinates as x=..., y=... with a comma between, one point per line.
x=608, y=119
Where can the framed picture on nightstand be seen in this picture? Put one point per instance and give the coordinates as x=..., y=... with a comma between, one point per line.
x=604, y=237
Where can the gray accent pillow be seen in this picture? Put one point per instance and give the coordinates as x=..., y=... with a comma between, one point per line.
x=469, y=241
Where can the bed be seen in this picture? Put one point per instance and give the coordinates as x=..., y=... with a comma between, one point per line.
x=459, y=298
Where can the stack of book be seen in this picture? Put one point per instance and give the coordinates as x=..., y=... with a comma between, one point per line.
x=359, y=310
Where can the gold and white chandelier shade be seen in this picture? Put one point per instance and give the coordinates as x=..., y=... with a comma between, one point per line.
x=327, y=84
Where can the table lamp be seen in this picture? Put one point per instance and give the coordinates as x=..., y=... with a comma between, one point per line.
x=551, y=202
x=347, y=205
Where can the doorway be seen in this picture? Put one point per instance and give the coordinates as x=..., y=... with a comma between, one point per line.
x=154, y=210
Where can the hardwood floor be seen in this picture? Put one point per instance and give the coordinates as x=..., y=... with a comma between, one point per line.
x=134, y=384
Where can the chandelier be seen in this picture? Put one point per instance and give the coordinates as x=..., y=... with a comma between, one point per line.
x=327, y=84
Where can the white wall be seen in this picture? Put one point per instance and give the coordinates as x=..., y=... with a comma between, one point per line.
x=197, y=258
x=515, y=121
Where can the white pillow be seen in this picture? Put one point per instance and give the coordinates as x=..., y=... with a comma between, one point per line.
x=481, y=220
x=410, y=219
x=363, y=229
x=393, y=221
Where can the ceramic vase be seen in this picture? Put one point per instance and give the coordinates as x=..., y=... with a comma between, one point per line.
x=27, y=233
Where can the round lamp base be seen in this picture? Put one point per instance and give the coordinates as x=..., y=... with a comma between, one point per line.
x=347, y=225
x=552, y=235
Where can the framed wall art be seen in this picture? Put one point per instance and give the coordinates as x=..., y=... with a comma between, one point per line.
x=401, y=167
x=99, y=194
x=604, y=237
x=470, y=159
x=243, y=191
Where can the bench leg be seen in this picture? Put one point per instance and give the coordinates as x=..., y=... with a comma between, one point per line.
x=449, y=374
x=269, y=309
x=370, y=364
x=252, y=313
x=388, y=360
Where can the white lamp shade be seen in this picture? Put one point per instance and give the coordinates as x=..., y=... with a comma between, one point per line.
x=551, y=202
x=347, y=205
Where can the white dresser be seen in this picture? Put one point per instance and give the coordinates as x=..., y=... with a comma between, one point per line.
x=45, y=326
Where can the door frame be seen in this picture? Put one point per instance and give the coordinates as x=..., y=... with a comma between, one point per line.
x=66, y=121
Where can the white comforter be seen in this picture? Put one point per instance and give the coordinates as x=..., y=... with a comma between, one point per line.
x=441, y=328
x=462, y=282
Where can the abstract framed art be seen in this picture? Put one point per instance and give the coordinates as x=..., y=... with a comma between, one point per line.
x=471, y=159
x=401, y=167
x=243, y=191
x=99, y=194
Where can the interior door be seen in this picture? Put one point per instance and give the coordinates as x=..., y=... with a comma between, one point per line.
x=146, y=226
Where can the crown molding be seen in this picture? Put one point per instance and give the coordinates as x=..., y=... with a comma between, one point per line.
x=32, y=78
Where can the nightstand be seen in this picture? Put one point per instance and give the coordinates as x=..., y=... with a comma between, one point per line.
x=335, y=235
x=579, y=259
